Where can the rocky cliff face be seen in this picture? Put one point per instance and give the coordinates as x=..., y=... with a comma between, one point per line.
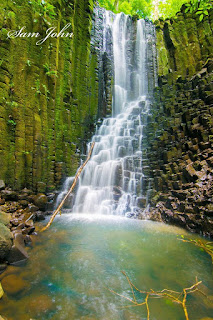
x=178, y=137
x=48, y=93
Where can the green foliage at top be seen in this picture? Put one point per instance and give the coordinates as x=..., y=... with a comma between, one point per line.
x=157, y=8
x=142, y=8
x=169, y=8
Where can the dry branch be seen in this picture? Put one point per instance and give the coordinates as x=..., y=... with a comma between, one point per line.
x=58, y=210
x=205, y=246
x=174, y=296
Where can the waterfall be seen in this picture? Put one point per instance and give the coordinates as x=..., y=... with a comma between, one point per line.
x=112, y=181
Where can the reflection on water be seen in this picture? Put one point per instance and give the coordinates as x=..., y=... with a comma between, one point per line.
x=74, y=263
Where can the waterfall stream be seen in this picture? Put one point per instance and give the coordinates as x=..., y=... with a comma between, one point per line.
x=112, y=181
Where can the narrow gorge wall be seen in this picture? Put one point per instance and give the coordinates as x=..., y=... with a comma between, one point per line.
x=48, y=93
x=179, y=134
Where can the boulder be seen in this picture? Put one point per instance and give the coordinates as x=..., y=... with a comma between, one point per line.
x=5, y=241
x=17, y=252
x=41, y=201
x=5, y=218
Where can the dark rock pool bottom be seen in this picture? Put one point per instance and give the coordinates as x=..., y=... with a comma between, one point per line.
x=75, y=262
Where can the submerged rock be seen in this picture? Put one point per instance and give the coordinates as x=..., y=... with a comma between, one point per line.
x=40, y=304
x=12, y=284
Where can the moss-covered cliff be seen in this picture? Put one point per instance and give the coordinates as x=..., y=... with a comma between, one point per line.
x=184, y=44
x=48, y=92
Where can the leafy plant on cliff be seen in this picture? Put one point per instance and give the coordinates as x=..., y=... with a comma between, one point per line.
x=37, y=87
x=200, y=7
x=43, y=8
x=50, y=72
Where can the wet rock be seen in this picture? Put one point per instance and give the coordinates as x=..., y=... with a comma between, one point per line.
x=69, y=201
x=190, y=173
x=19, y=239
x=131, y=215
x=209, y=99
x=141, y=202
x=117, y=193
x=23, y=203
x=41, y=201
x=32, y=208
x=27, y=191
x=2, y=201
x=5, y=241
x=28, y=240
x=12, y=284
x=39, y=216
x=28, y=230
x=3, y=266
x=9, y=195
x=29, y=223
x=15, y=222
x=2, y=184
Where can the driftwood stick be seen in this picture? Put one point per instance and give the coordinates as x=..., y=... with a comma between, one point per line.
x=71, y=188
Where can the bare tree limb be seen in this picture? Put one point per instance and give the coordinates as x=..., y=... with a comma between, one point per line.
x=70, y=190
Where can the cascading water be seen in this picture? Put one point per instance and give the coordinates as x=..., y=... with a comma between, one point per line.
x=112, y=181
